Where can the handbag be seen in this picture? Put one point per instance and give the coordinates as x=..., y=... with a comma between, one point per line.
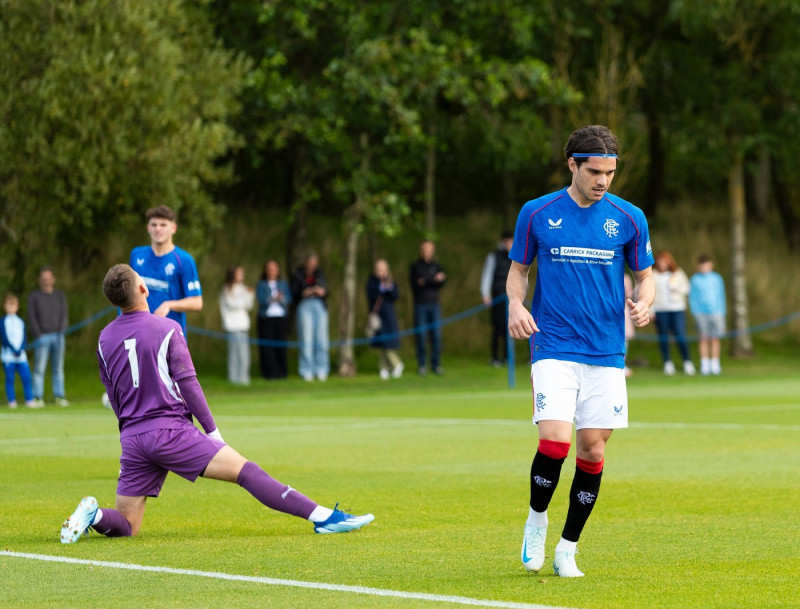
x=373, y=319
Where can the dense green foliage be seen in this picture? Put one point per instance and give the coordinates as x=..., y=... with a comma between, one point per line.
x=331, y=120
x=695, y=509
x=108, y=108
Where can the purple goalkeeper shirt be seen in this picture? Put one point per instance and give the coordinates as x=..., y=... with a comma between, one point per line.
x=143, y=358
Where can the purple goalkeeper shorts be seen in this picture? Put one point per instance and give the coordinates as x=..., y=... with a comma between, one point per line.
x=148, y=456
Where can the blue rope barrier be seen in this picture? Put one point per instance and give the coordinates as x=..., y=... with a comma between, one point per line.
x=781, y=321
x=78, y=326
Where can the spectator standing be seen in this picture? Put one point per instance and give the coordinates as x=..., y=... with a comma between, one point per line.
x=309, y=290
x=235, y=304
x=493, y=284
x=427, y=277
x=669, y=310
x=13, y=356
x=382, y=293
x=707, y=304
x=274, y=297
x=47, y=318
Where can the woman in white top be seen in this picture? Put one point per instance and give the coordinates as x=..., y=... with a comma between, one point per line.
x=235, y=304
x=669, y=310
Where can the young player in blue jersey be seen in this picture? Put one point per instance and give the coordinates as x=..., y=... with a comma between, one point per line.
x=169, y=272
x=582, y=237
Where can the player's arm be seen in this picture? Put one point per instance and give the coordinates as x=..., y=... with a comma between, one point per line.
x=520, y=321
x=646, y=290
x=182, y=305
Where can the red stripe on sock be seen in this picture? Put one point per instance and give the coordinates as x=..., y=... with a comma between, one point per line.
x=554, y=450
x=590, y=467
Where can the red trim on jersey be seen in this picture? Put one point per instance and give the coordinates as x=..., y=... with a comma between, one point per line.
x=553, y=449
x=590, y=467
x=638, y=232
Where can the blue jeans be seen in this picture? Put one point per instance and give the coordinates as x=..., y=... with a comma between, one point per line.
x=672, y=322
x=24, y=372
x=425, y=314
x=49, y=346
x=312, y=333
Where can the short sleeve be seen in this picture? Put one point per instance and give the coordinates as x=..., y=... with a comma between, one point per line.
x=190, y=278
x=638, y=252
x=524, y=249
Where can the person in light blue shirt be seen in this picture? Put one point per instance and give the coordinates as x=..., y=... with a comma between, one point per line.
x=707, y=304
x=13, y=356
x=582, y=237
x=169, y=271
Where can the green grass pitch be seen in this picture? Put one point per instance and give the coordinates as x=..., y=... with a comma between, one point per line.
x=698, y=506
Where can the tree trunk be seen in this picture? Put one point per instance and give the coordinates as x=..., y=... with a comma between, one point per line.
x=742, y=344
x=430, y=178
x=353, y=217
x=347, y=312
x=297, y=208
x=761, y=185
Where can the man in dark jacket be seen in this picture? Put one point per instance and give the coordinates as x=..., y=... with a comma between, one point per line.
x=493, y=284
x=427, y=278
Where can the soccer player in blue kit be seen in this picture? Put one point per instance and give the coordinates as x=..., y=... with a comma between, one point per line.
x=169, y=271
x=153, y=389
x=582, y=237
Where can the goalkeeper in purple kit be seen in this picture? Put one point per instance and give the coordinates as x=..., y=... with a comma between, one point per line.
x=153, y=389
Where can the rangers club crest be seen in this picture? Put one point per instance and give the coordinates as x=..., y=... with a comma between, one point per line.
x=611, y=227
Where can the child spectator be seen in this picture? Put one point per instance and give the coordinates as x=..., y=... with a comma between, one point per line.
x=15, y=360
x=707, y=304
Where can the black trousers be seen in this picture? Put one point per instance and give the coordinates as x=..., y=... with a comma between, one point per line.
x=499, y=333
x=272, y=360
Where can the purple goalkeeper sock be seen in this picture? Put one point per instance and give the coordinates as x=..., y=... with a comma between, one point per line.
x=274, y=494
x=113, y=524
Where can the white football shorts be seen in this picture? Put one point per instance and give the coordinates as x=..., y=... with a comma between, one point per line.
x=592, y=397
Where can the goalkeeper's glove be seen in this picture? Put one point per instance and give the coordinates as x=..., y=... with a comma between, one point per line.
x=216, y=435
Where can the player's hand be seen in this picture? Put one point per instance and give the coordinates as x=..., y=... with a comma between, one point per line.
x=162, y=310
x=487, y=301
x=520, y=321
x=216, y=435
x=640, y=314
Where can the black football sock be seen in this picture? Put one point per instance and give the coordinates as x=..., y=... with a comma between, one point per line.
x=582, y=497
x=545, y=472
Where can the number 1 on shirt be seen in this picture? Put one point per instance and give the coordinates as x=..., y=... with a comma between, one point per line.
x=130, y=347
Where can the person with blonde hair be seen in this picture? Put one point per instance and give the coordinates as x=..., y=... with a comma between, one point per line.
x=382, y=293
x=669, y=310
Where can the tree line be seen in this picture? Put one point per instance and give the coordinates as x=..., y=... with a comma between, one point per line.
x=389, y=115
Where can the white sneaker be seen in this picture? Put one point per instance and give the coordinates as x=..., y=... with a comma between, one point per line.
x=716, y=368
x=82, y=518
x=533, y=547
x=669, y=368
x=35, y=403
x=62, y=402
x=564, y=564
x=688, y=368
x=398, y=370
x=384, y=374
x=322, y=377
x=705, y=367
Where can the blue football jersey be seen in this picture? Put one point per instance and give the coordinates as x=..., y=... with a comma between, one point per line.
x=579, y=299
x=169, y=277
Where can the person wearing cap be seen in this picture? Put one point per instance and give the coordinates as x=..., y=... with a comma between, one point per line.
x=582, y=237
